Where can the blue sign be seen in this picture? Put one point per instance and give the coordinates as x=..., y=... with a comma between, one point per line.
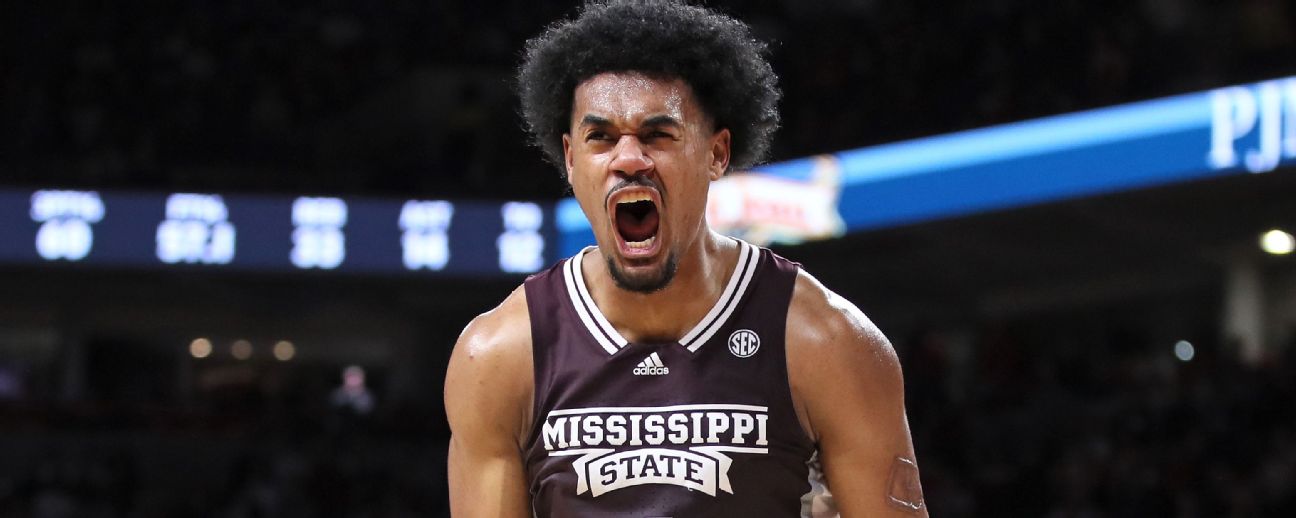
x=1233, y=130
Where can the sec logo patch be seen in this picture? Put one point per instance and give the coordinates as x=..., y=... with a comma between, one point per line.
x=743, y=343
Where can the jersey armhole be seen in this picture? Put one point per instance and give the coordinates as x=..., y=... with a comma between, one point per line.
x=538, y=352
x=787, y=369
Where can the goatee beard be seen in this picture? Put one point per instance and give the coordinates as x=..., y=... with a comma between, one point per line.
x=648, y=284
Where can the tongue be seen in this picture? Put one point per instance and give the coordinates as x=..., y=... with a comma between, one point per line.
x=634, y=228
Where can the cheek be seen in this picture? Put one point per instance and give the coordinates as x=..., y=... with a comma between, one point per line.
x=590, y=193
x=691, y=196
x=588, y=198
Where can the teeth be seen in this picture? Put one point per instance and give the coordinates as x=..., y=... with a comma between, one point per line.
x=634, y=197
x=641, y=244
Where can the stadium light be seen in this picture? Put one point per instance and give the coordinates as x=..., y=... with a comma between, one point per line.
x=284, y=350
x=200, y=348
x=1277, y=242
x=241, y=349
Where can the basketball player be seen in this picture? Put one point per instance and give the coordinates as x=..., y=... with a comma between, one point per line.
x=669, y=370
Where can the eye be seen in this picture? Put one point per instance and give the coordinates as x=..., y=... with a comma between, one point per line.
x=597, y=136
x=656, y=134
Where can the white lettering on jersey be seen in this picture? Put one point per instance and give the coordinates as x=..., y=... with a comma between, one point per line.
x=743, y=343
x=597, y=436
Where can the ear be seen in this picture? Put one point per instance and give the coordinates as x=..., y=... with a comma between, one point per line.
x=567, y=157
x=720, y=151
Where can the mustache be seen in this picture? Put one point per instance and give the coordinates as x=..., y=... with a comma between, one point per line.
x=634, y=181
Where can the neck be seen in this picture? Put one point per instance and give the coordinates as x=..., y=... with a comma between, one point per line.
x=668, y=313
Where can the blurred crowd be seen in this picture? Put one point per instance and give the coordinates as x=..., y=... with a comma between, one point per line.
x=413, y=97
x=252, y=441
x=356, y=478
x=1005, y=424
x=250, y=95
x=1063, y=429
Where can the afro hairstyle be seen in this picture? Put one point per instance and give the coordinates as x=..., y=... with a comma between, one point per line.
x=714, y=54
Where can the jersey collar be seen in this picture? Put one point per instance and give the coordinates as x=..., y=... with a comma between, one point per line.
x=612, y=341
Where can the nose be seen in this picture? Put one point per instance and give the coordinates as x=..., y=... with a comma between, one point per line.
x=630, y=158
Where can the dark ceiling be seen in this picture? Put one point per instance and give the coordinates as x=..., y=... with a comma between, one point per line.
x=1162, y=240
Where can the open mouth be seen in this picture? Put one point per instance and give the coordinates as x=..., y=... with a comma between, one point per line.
x=636, y=219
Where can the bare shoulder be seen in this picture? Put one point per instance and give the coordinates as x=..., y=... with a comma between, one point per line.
x=838, y=360
x=502, y=332
x=823, y=323
x=488, y=387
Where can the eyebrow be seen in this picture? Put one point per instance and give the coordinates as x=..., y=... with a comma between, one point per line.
x=594, y=120
x=661, y=120
x=654, y=121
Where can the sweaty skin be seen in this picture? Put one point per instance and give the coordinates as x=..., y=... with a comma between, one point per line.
x=629, y=127
x=635, y=133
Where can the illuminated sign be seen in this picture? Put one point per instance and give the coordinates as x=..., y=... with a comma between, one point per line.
x=318, y=241
x=763, y=209
x=1231, y=130
x=65, y=218
x=424, y=241
x=196, y=230
x=1267, y=111
x=268, y=233
x=521, y=247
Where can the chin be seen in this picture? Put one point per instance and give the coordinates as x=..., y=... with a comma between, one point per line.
x=644, y=279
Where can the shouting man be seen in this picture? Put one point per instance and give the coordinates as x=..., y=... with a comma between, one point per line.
x=669, y=370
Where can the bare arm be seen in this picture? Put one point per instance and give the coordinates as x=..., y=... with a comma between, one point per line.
x=849, y=391
x=488, y=403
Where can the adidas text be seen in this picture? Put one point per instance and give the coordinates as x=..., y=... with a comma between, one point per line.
x=651, y=371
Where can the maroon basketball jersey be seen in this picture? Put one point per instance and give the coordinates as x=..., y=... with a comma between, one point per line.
x=699, y=427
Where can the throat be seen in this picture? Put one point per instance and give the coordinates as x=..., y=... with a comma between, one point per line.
x=637, y=222
x=654, y=326
x=665, y=315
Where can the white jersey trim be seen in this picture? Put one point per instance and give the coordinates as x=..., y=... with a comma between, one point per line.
x=728, y=301
x=611, y=340
x=573, y=278
x=651, y=409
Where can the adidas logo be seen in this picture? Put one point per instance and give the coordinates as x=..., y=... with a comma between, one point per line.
x=651, y=366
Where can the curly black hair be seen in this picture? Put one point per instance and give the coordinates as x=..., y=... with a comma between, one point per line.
x=714, y=54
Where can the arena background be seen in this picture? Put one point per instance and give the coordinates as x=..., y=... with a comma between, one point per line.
x=1125, y=352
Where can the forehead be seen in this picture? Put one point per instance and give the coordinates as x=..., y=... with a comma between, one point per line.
x=628, y=97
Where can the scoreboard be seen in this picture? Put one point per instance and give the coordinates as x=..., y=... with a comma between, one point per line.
x=1242, y=129
x=208, y=231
